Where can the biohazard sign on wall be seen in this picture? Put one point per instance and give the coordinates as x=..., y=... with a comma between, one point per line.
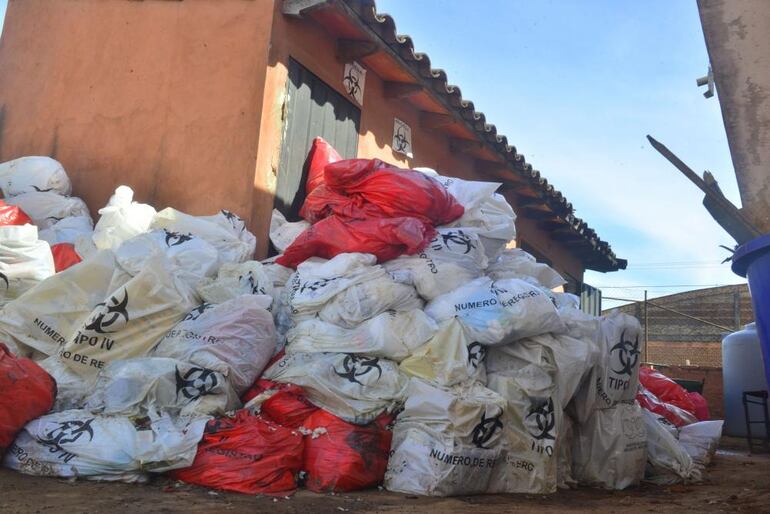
x=402, y=138
x=354, y=81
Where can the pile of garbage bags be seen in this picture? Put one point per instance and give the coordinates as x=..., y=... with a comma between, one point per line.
x=397, y=339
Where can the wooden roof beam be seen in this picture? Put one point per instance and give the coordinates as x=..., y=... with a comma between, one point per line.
x=435, y=120
x=401, y=90
x=464, y=145
x=349, y=50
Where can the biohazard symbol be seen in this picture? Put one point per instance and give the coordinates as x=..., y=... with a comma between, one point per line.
x=352, y=84
x=252, y=284
x=176, y=238
x=42, y=190
x=196, y=312
x=4, y=278
x=541, y=418
x=316, y=284
x=67, y=432
x=400, y=141
x=458, y=238
x=109, y=313
x=195, y=383
x=356, y=366
x=476, y=354
x=485, y=429
x=628, y=354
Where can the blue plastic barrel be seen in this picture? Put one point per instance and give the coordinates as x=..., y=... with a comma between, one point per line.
x=752, y=260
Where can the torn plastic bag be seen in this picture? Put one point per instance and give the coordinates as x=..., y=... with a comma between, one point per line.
x=235, y=280
x=192, y=258
x=452, y=258
x=47, y=208
x=246, y=454
x=72, y=390
x=235, y=338
x=47, y=315
x=356, y=388
x=392, y=335
x=282, y=232
x=224, y=231
x=136, y=387
x=564, y=476
x=449, y=358
x=498, y=313
x=12, y=215
x=666, y=389
x=321, y=154
x=121, y=219
x=676, y=416
x=68, y=230
x=667, y=461
x=385, y=238
x=25, y=261
x=341, y=457
x=397, y=192
x=64, y=256
x=33, y=174
x=701, y=440
x=610, y=448
x=286, y=404
x=516, y=263
x=26, y=392
x=79, y=444
x=129, y=320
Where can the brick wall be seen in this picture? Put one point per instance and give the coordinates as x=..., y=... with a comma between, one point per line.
x=712, y=385
x=678, y=354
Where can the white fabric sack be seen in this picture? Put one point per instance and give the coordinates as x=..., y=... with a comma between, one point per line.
x=68, y=230
x=449, y=358
x=138, y=387
x=72, y=390
x=235, y=280
x=516, y=263
x=130, y=320
x=282, y=232
x=235, y=338
x=24, y=261
x=280, y=276
x=452, y=258
x=667, y=461
x=33, y=174
x=190, y=258
x=564, y=476
x=578, y=324
x=610, y=448
x=225, y=231
x=500, y=312
x=392, y=335
x=356, y=388
x=79, y=444
x=46, y=208
x=46, y=316
x=700, y=440
x=121, y=219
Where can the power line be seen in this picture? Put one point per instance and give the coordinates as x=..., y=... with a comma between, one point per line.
x=668, y=286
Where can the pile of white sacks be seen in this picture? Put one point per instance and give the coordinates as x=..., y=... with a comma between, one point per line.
x=500, y=385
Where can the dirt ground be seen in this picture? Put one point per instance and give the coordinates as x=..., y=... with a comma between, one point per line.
x=736, y=482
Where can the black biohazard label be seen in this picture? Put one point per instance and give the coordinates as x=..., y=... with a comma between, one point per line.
x=112, y=314
x=176, y=238
x=252, y=283
x=477, y=352
x=627, y=353
x=196, y=312
x=351, y=83
x=453, y=240
x=66, y=432
x=195, y=383
x=357, y=366
x=486, y=429
x=541, y=418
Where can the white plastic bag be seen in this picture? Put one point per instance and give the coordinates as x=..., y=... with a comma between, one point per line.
x=392, y=335
x=79, y=444
x=516, y=263
x=564, y=476
x=121, y=219
x=235, y=280
x=71, y=389
x=667, y=461
x=700, y=440
x=356, y=388
x=31, y=174
x=68, y=230
x=610, y=448
x=46, y=208
x=235, y=338
x=449, y=358
x=24, y=261
x=138, y=387
x=282, y=232
x=130, y=320
x=500, y=312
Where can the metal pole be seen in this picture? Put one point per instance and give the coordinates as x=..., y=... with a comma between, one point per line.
x=646, y=328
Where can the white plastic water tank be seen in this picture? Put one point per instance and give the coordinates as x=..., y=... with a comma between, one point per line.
x=742, y=370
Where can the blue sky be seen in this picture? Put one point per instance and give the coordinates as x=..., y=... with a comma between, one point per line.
x=576, y=86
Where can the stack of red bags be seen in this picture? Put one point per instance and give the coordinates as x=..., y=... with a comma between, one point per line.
x=661, y=395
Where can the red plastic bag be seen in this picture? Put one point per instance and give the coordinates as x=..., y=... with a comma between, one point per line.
x=678, y=417
x=666, y=389
x=26, y=392
x=321, y=154
x=64, y=256
x=385, y=238
x=345, y=457
x=12, y=215
x=287, y=404
x=701, y=406
x=246, y=454
x=396, y=192
x=323, y=202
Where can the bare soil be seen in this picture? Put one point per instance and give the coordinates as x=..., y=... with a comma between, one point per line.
x=736, y=482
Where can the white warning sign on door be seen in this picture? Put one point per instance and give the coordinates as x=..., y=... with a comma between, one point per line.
x=354, y=81
x=402, y=138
